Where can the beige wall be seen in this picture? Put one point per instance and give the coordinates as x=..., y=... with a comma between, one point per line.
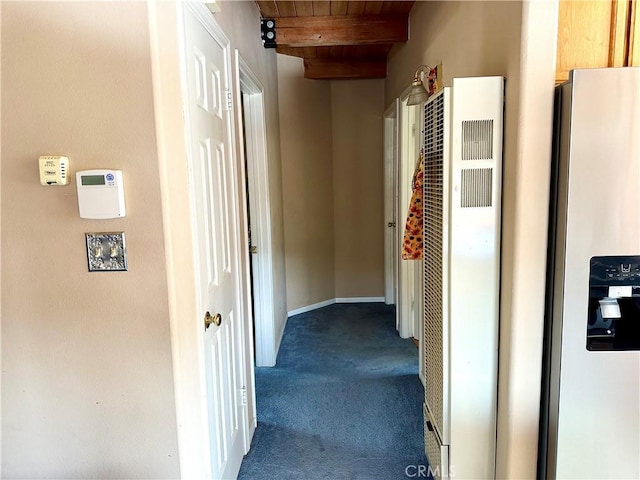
x=357, y=111
x=87, y=385
x=307, y=184
x=470, y=38
x=487, y=38
x=331, y=135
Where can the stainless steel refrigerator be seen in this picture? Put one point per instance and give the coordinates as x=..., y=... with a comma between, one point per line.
x=590, y=410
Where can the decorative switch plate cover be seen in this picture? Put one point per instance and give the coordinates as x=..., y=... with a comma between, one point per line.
x=106, y=252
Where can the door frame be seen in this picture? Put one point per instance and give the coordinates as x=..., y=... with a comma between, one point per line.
x=225, y=360
x=257, y=178
x=409, y=294
x=391, y=155
x=167, y=45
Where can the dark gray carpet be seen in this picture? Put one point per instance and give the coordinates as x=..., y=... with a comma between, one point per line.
x=343, y=402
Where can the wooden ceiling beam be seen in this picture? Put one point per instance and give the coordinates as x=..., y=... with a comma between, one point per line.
x=292, y=52
x=396, y=7
x=332, y=69
x=340, y=30
x=323, y=52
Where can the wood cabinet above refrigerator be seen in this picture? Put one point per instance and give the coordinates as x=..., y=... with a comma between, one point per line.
x=597, y=33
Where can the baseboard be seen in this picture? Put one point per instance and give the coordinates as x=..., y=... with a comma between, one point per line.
x=331, y=301
x=253, y=424
x=308, y=308
x=279, y=336
x=360, y=300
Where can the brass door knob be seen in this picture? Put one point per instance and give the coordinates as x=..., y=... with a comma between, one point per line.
x=215, y=320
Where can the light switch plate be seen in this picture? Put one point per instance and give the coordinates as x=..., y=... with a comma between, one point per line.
x=106, y=252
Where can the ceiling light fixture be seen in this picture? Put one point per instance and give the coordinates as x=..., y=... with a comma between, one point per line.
x=419, y=92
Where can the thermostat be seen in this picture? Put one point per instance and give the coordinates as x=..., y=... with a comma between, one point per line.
x=100, y=194
x=53, y=170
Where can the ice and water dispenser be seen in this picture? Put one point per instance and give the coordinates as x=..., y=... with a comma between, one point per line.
x=614, y=303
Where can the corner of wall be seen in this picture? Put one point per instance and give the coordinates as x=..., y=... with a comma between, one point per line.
x=522, y=312
x=307, y=184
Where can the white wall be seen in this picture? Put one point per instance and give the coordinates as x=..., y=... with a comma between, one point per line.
x=87, y=384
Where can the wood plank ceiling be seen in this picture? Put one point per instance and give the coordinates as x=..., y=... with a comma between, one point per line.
x=339, y=39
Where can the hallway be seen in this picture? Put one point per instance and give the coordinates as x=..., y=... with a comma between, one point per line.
x=344, y=400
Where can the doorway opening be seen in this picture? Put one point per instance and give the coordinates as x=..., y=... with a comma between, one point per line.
x=254, y=153
x=403, y=278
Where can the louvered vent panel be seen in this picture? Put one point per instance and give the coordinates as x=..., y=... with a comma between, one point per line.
x=477, y=140
x=433, y=149
x=476, y=187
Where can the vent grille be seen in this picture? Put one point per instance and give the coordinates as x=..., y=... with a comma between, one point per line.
x=477, y=140
x=476, y=187
x=433, y=149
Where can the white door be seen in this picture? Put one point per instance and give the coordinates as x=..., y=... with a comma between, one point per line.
x=409, y=295
x=213, y=181
x=391, y=203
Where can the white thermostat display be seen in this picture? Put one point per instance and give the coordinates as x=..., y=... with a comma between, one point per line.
x=100, y=194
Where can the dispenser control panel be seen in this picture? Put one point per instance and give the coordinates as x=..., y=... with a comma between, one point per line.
x=623, y=271
x=614, y=303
